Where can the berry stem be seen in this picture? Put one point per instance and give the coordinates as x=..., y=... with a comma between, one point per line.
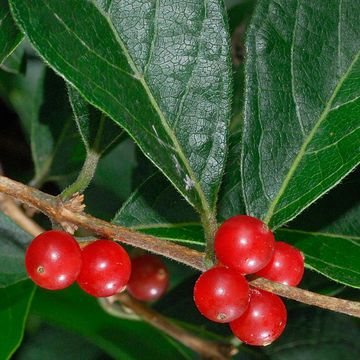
x=53, y=207
x=85, y=176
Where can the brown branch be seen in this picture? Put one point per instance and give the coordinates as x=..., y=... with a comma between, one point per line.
x=11, y=209
x=207, y=349
x=54, y=208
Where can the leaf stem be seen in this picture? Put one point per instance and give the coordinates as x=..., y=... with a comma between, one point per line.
x=85, y=176
x=55, y=209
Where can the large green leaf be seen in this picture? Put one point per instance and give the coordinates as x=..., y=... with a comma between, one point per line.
x=23, y=93
x=151, y=67
x=10, y=36
x=57, y=344
x=14, y=307
x=338, y=212
x=302, y=112
x=74, y=310
x=334, y=256
x=314, y=334
x=55, y=143
x=12, y=244
x=15, y=291
x=97, y=131
x=231, y=201
x=157, y=209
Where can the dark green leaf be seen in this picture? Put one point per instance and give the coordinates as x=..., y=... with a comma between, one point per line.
x=230, y=197
x=13, y=241
x=314, y=334
x=10, y=36
x=74, y=310
x=16, y=62
x=302, y=113
x=23, y=93
x=56, y=344
x=14, y=307
x=97, y=131
x=15, y=291
x=161, y=78
x=156, y=208
x=113, y=181
x=334, y=256
x=56, y=145
x=338, y=212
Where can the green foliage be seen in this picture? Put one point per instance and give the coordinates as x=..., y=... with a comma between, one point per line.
x=10, y=36
x=177, y=110
x=15, y=290
x=302, y=82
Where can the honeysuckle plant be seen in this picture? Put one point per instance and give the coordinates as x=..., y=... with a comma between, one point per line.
x=151, y=122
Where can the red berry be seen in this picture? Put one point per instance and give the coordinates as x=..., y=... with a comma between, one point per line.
x=221, y=294
x=244, y=243
x=53, y=260
x=149, y=278
x=263, y=321
x=286, y=266
x=105, y=270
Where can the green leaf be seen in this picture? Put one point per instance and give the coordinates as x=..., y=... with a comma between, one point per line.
x=302, y=112
x=56, y=344
x=231, y=201
x=16, y=62
x=315, y=334
x=113, y=181
x=15, y=291
x=119, y=338
x=15, y=302
x=161, y=78
x=157, y=209
x=23, y=93
x=12, y=244
x=334, y=256
x=97, y=131
x=338, y=212
x=56, y=145
x=10, y=36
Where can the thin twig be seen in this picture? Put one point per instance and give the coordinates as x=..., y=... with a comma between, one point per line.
x=207, y=349
x=55, y=209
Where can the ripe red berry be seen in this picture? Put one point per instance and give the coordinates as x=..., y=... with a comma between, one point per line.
x=286, y=266
x=105, y=270
x=149, y=278
x=263, y=321
x=221, y=294
x=244, y=243
x=53, y=260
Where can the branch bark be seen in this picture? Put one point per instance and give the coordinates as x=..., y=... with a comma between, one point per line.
x=54, y=208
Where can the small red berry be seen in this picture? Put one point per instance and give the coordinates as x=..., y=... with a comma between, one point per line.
x=105, y=270
x=53, y=260
x=263, y=321
x=221, y=294
x=286, y=266
x=244, y=243
x=149, y=278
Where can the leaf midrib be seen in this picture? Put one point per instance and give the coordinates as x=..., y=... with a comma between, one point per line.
x=307, y=141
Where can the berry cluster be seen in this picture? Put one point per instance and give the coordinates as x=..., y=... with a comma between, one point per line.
x=245, y=245
x=103, y=268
